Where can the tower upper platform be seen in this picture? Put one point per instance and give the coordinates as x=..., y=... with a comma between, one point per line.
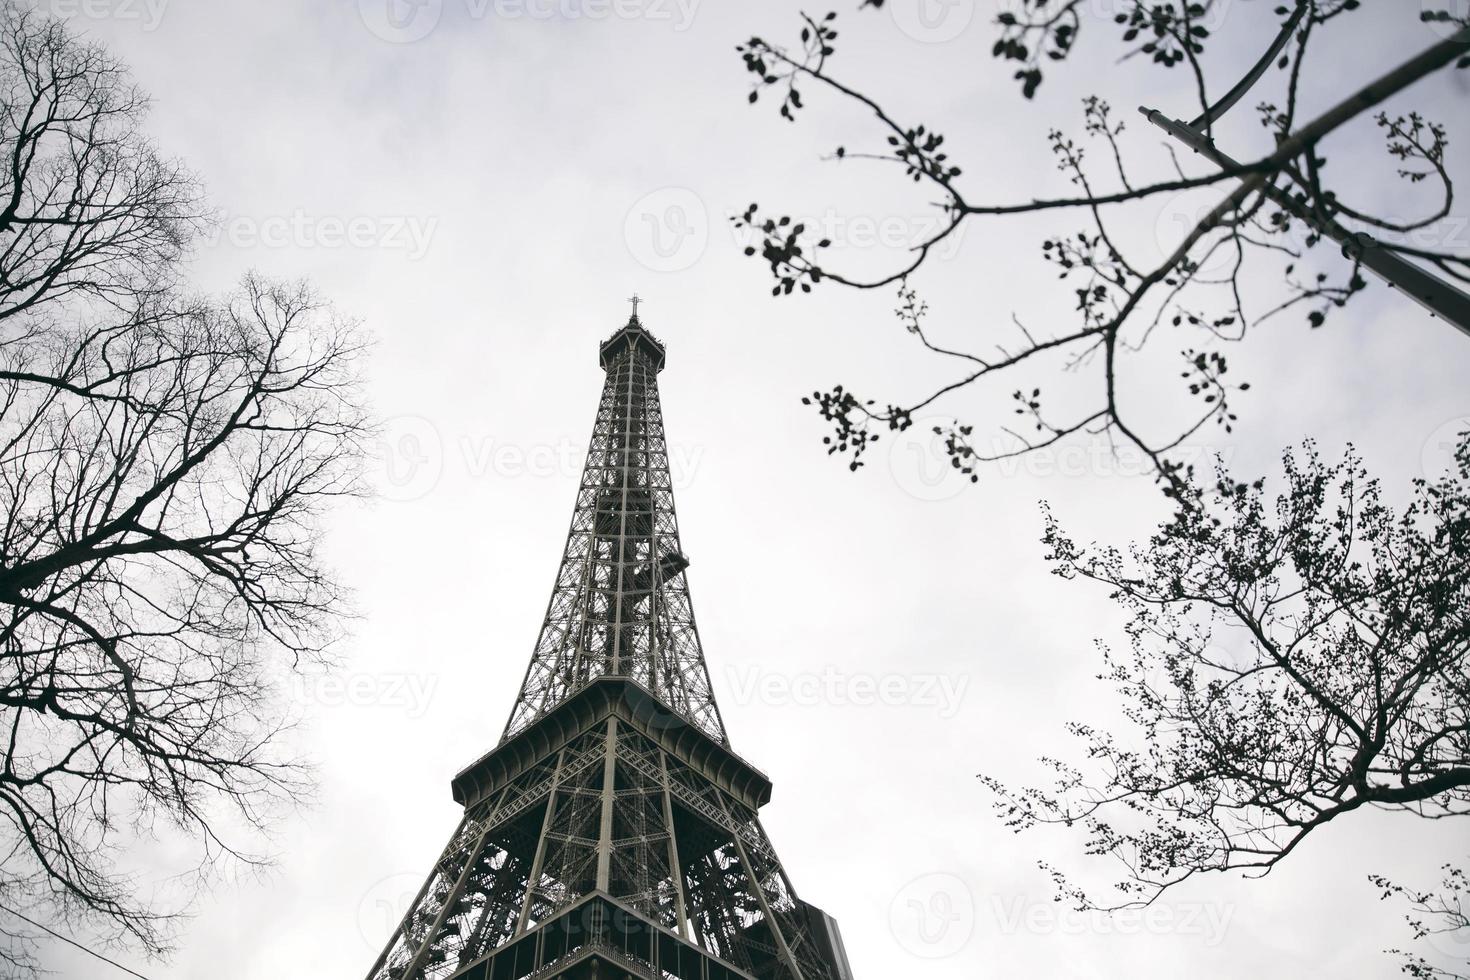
x=634, y=335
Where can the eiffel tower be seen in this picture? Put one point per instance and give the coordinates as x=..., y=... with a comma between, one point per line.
x=613, y=833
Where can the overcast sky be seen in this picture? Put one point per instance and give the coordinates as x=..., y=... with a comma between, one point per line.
x=483, y=183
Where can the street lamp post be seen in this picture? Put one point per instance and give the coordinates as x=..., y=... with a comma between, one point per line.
x=1441, y=298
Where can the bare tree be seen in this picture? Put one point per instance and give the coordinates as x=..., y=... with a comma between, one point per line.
x=1268, y=213
x=1289, y=664
x=164, y=460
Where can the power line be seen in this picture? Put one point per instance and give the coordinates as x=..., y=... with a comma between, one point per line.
x=65, y=939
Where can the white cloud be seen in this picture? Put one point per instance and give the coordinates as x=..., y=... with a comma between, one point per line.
x=523, y=144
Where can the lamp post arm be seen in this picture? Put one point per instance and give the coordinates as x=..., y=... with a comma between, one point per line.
x=1438, y=296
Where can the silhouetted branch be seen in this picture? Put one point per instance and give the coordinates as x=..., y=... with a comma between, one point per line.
x=1121, y=298
x=1443, y=912
x=1290, y=663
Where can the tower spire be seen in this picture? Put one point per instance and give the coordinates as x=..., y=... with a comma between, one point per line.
x=635, y=301
x=613, y=833
x=620, y=605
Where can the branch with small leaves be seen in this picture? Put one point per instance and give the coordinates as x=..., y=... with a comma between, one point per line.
x=1250, y=235
x=1291, y=662
x=1442, y=913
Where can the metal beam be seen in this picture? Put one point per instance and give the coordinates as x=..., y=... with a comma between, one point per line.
x=1439, y=296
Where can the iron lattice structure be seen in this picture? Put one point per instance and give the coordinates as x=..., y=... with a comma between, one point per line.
x=613, y=833
x=621, y=605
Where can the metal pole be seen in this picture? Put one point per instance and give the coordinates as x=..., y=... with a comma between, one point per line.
x=1440, y=297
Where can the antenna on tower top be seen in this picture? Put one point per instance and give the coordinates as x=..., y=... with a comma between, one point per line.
x=635, y=300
